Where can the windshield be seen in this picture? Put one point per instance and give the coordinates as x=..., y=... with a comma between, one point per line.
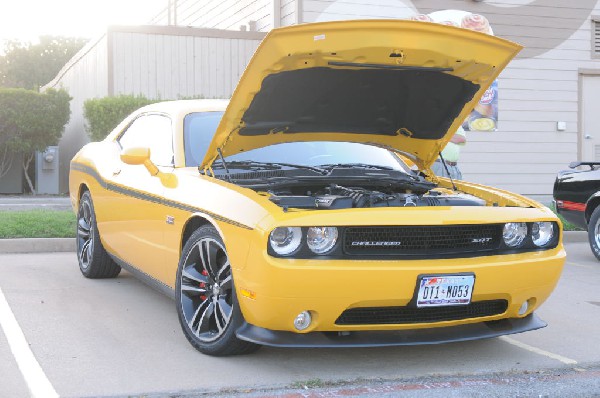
x=317, y=153
x=199, y=129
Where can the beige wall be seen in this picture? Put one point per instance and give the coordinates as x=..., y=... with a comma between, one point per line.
x=289, y=12
x=12, y=181
x=171, y=62
x=222, y=14
x=259, y=15
x=331, y=10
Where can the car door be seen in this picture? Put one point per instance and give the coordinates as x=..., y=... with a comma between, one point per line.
x=198, y=130
x=136, y=223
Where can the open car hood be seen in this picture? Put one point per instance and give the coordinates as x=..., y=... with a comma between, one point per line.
x=402, y=85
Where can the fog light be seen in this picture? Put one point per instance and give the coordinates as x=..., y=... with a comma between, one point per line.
x=303, y=320
x=524, y=308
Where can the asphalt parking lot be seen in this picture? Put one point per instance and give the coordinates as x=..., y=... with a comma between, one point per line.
x=119, y=338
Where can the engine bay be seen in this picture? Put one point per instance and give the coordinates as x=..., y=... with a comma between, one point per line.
x=335, y=196
x=343, y=186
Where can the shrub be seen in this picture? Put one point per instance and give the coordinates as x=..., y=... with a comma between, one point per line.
x=104, y=114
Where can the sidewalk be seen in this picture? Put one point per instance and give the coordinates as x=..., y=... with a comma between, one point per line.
x=37, y=245
x=20, y=202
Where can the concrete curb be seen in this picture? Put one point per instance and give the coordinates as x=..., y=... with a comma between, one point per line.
x=51, y=245
x=37, y=245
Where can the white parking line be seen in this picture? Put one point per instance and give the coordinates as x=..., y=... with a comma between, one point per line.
x=37, y=382
x=565, y=360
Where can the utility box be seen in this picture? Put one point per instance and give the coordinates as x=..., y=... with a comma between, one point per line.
x=46, y=171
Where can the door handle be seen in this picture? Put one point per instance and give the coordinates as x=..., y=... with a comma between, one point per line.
x=588, y=137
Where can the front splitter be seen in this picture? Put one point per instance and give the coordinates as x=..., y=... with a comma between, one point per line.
x=475, y=331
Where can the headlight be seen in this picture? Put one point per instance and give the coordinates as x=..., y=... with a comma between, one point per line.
x=542, y=233
x=514, y=233
x=321, y=240
x=285, y=240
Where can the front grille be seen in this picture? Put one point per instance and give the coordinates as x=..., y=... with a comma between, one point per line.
x=407, y=315
x=426, y=240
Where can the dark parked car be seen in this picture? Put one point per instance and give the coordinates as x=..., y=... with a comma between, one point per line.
x=577, y=199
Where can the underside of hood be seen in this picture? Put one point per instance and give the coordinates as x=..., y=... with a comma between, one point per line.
x=402, y=85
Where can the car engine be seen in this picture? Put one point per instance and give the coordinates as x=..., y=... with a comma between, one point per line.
x=335, y=196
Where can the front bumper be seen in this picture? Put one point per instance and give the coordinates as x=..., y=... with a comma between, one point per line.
x=282, y=288
x=437, y=335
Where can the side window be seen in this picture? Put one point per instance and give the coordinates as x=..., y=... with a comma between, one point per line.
x=154, y=132
x=198, y=131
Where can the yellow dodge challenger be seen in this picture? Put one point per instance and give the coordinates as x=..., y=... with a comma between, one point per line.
x=288, y=216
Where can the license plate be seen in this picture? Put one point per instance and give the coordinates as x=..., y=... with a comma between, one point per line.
x=441, y=290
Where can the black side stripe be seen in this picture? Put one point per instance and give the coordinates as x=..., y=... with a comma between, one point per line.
x=149, y=198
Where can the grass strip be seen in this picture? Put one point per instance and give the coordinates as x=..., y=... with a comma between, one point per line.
x=567, y=226
x=37, y=224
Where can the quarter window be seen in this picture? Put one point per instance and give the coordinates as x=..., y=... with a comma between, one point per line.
x=154, y=132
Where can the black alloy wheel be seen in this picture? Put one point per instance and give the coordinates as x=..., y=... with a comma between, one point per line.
x=85, y=242
x=94, y=261
x=206, y=300
x=207, y=290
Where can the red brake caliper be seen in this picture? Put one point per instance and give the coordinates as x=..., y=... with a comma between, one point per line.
x=202, y=284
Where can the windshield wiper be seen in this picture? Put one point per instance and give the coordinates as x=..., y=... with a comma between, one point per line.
x=359, y=165
x=254, y=165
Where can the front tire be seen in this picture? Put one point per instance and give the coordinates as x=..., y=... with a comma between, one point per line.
x=94, y=261
x=594, y=232
x=206, y=301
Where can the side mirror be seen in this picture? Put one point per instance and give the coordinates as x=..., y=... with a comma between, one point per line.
x=139, y=155
x=136, y=155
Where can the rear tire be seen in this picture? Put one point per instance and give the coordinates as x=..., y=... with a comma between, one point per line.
x=205, y=296
x=94, y=261
x=594, y=232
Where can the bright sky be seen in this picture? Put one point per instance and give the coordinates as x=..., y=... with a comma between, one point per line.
x=28, y=19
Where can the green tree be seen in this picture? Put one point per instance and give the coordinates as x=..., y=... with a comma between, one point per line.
x=29, y=122
x=30, y=66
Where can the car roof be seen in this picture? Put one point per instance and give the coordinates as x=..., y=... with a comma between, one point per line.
x=183, y=107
